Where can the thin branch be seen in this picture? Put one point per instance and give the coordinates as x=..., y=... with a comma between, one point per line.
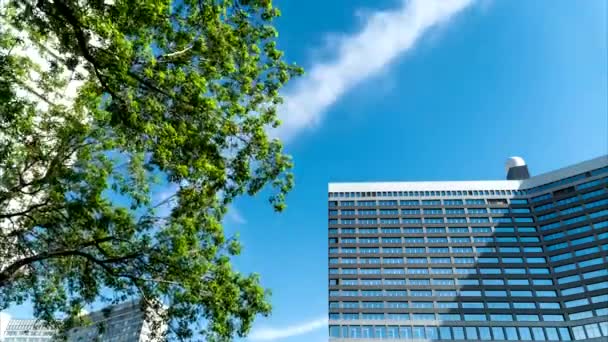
x=176, y=53
x=151, y=86
x=165, y=201
x=34, y=92
x=150, y=280
x=22, y=213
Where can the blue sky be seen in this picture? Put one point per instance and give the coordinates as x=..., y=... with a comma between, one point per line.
x=499, y=78
x=416, y=90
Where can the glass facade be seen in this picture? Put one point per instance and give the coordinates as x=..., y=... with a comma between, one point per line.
x=25, y=330
x=496, y=264
x=118, y=323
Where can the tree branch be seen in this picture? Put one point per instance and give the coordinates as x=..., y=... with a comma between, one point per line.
x=8, y=273
x=176, y=53
x=70, y=18
x=21, y=213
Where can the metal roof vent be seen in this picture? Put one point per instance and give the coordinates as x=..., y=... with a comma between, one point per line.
x=516, y=168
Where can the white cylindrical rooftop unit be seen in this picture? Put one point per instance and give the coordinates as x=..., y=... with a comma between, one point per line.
x=516, y=168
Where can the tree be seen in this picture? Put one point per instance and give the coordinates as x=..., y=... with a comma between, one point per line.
x=181, y=91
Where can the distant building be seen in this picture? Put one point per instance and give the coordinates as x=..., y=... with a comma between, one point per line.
x=23, y=330
x=118, y=323
x=521, y=259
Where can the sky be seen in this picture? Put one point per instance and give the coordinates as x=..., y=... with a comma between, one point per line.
x=415, y=90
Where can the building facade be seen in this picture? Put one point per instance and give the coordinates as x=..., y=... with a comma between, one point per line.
x=23, y=330
x=117, y=323
x=523, y=259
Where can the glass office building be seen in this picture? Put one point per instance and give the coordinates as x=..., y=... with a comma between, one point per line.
x=23, y=330
x=117, y=323
x=522, y=259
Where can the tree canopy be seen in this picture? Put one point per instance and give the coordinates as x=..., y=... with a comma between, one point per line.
x=98, y=101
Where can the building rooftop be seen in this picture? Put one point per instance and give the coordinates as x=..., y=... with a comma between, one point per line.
x=529, y=183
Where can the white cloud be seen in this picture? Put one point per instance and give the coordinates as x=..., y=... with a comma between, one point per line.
x=385, y=35
x=234, y=216
x=272, y=334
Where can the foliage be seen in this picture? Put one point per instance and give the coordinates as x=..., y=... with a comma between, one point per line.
x=185, y=90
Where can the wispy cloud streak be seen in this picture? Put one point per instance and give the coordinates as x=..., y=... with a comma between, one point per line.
x=385, y=36
x=235, y=216
x=272, y=334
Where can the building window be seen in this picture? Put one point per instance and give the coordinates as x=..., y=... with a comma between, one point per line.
x=501, y=318
x=449, y=317
x=518, y=282
x=474, y=317
x=541, y=198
